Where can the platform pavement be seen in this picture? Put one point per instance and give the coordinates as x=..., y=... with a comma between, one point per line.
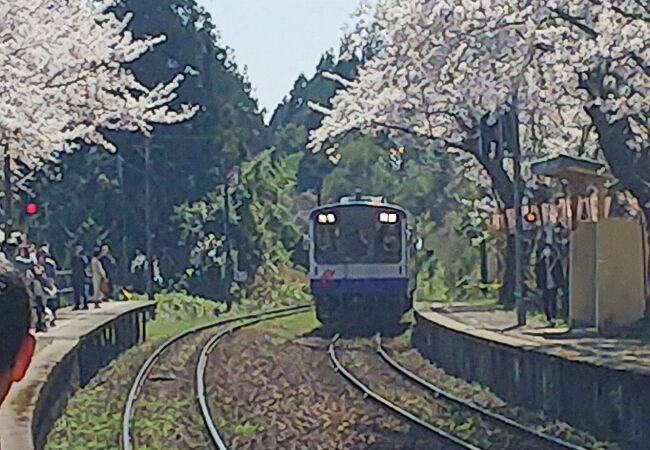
x=53, y=347
x=583, y=345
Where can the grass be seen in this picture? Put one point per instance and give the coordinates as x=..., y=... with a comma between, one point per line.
x=168, y=327
x=288, y=328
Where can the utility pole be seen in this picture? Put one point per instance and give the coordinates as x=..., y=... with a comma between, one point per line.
x=8, y=191
x=226, y=232
x=125, y=254
x=147, y=216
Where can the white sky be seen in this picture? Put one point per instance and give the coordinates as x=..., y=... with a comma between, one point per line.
x=279, y=39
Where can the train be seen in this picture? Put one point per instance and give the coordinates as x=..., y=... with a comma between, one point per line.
x=361, y=261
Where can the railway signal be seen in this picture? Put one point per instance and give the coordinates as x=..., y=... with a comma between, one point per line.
x=32, y=209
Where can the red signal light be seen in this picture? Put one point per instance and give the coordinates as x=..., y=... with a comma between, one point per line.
x=531, y=217
x=32, y=209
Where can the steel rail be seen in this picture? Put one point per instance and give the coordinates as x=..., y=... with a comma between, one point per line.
x=127, y=440
x=201, y=367
x=442, y=434
x=485, y=412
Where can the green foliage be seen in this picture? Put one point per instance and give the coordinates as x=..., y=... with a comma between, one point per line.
x=181, y=306
x=293, y=119
x=363, y=166
x=450, y=263
x=295, y=110
x=267, y=222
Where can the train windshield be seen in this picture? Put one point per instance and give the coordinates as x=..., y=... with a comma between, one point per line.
x=358, y=237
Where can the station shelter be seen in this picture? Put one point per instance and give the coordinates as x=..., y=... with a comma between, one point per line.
x=608, y=255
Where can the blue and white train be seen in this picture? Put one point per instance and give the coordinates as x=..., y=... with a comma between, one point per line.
x=361, y=261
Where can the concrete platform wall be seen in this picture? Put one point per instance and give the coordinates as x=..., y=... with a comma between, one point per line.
x=611, y=404
x=68, y=359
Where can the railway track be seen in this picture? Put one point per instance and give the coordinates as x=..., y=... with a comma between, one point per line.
x=128, y=441
x=215, y=437
x=532, y=437
x=543, y=438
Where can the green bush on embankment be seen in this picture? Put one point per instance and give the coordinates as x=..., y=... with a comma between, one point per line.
x=177, y=311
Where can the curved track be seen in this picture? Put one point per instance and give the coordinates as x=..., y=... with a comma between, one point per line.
x=543, y=438
x=529, y=435
x=127, y=439
x=202, y=365
x=441, y=434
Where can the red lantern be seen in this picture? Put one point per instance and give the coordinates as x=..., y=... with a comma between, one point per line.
x=531, y=217
x=32, y=209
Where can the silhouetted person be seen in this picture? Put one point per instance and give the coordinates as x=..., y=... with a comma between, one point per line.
x=49, y=264
x=110, y=267
x=79, y=264
x=16, y=342
x=550, y=278
x=36, y=287
x=98, y=275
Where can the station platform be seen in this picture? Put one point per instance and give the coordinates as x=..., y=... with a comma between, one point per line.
x=67, y=357
x=596, y=383
x=584, y=344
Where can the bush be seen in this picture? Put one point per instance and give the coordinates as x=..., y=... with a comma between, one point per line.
x=181, y=306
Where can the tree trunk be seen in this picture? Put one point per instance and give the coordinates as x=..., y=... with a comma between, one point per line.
x=489, y=150
x=507, y=292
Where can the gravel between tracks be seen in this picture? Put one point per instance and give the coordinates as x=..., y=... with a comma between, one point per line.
x=267, y=394
x=167, y=400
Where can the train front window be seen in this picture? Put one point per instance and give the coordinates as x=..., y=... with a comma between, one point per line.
x=388, y=243
x=358, y=237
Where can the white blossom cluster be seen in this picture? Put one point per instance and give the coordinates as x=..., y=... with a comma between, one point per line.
x=65, y=78
x=435, y=67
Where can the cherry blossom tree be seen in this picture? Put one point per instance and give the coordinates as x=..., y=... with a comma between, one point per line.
x=485, y=76
x=65, y=79
x=452, y=70
x=606, y=58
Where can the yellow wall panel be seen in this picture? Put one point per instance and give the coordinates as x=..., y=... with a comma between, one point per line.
x=619, y=274
x=582, y=296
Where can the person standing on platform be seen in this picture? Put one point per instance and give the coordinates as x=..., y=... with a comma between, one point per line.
x=49, y=264
x=17, y=343
x=98, y=274
x=36, y=289
x=550, y=278
x=110, y=266
x=79, y=264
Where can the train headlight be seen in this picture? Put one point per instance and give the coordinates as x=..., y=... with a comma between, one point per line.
x=386, y=217
x=326, y=218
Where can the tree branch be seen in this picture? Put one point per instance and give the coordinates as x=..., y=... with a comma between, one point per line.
x=576, y=21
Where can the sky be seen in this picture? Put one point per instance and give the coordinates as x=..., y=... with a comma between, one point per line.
x=279, y=39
